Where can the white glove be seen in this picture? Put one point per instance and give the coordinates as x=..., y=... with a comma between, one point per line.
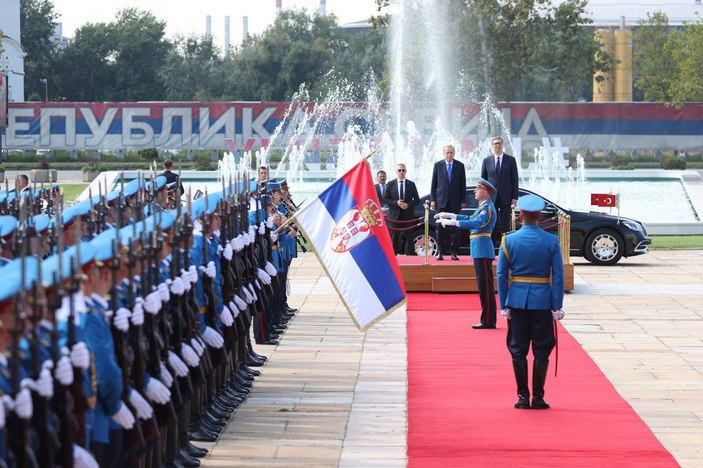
x=270, y=269
x=226, y=317
x=164, y=293
x=227, y=252
x=213, y=338
x=557, y=314
x=263, y=276
x=138, y=312
x=448, y=222
x=121, y=319
x=83, y=458
x=241, y=305
x=140, y=405
x=64, y=371
x=44, y=385
x=157, y=392
x=252, y=291
x=199, y=348
x=505, y=313
x=262, y=228
x=233, y=309
x=80, y=356
x=247, y=295
x=178, y=366
x=273, y=236
x=152, y=303
x=269, y=223
x=177, y=286
x=164, y=375
x=21, y=404
x=189, y=356
x=124, y=416
x=445, y=215
x=220, y=249
x=209, y=270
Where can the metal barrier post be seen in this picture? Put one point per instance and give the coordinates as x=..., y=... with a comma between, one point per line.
x=427, y=232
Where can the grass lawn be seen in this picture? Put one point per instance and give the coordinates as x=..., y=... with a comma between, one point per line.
x=71, y=191
x=677, y=242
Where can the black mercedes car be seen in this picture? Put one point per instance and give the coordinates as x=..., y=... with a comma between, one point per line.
x=602, y=239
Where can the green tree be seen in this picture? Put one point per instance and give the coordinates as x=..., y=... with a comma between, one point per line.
x=83, y=70
x=688, y=53
x=140, y=51
x=654, y=65
x=523, y=49
x=297, y=48
x=37, y=27
x=193, y=69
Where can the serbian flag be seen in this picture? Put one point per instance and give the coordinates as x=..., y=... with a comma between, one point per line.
x=604, y=199
x=345, y=225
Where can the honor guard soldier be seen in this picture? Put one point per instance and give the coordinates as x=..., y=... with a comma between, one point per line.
x=531, y=291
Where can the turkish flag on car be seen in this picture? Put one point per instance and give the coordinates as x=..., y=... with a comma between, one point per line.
x=603, y=199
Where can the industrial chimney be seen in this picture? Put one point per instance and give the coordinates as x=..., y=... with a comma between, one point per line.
x=245, y=28
x=227, y=35
x=208, y=25
x=323, y=8
x=279, y=6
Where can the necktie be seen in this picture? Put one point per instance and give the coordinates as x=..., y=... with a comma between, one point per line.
x=449, y=171
x=383, y=189
x=498, y=166
x=402, y=190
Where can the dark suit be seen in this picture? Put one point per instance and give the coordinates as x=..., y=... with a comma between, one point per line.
x=506, y=184
x=402, y=240
x=379, y=194
x=448, y=196
x=171, y=178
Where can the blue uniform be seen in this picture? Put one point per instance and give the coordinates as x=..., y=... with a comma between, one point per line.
x=481, y=223
x=533, y=258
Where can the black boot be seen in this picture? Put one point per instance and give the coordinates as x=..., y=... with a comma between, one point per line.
x=523, y=391
x=539, y=376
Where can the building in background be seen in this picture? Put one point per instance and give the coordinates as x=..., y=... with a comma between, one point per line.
x=12, y=56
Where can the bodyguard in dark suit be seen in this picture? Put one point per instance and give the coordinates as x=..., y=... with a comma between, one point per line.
x=500, y=169
x=381, y=186
x=401, y=197
x=448, y=195
x=171, y=177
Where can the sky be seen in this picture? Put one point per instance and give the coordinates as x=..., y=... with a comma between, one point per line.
x=186, y=17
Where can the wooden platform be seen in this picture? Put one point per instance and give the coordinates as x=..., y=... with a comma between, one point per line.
x=451, y=276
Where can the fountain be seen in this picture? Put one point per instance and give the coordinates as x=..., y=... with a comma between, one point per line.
x=429, y=98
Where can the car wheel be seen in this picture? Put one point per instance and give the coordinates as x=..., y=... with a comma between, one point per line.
x=604, y=247
x=419, y=244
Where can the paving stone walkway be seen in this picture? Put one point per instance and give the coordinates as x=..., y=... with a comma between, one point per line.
x=331, y=396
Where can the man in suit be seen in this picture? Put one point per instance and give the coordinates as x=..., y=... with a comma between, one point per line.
x=401, y=197
x=500, y=169
x=381, y=186
x=171, y=177
x=448, y=195
x=531, y=293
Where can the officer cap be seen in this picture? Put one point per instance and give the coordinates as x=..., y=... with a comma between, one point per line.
x=41, y=222
x=162, y=219
x=50, y=266
x=12, y=274
x=106, y=247
x=160, y=183
x=273, y=186
x=284, y=184
x=131, y=188
x=483, y=183
x=530, y=203
x=8, y=226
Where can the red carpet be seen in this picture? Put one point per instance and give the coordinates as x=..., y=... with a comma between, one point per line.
x=461, y=393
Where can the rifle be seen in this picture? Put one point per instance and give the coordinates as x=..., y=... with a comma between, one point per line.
x=150, y=427
x=208, y=289
x=133, y=438
x=20, y=452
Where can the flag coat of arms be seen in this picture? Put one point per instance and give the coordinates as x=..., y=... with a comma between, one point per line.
x=345, y=225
